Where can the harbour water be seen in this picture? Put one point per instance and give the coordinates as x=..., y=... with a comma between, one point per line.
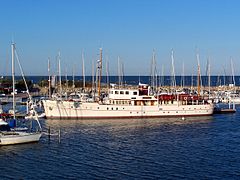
x=175, y=148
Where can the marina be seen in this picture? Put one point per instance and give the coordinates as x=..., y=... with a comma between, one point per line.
x=119, y=90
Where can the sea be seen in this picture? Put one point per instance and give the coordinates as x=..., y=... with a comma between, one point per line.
x=162, y=148
x=135, y=80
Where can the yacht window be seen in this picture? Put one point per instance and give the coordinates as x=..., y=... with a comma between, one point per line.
x=121, y=92
x=116, y=92
x=135, y=93
x=127, y=92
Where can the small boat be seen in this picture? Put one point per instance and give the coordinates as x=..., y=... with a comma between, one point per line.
x=9, y=136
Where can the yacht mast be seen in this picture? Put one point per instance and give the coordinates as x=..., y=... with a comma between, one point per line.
x=199, y=77
x=100, y=73
x=183, y=76
x=49, y=79
x=162, y=76
x=107, y=72
x=93, y=73
x=119, y=73
x=13, y=81
x=233, y=78
x=59, y=71
x=83, y=72
x=66, y=77
x=173, y=72
x=122, y=73
x=73, y=78
x=154, y=71
x=209, y=77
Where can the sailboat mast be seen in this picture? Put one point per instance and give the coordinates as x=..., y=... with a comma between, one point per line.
x=59, y=71
x=209, y=77
x=83, y=71
x=73, y=78
x=183, y=76
x=233, y=77
x=13, y=81
x=100, y=73
x=119, y=73
x=173, y=72
x=199, y=80
x=162, y=76
x=66, y=77
x=93, y=79
x=49, y=79
x=107, y=73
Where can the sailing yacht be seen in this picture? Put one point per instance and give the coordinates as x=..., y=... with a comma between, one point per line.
x=9, y=136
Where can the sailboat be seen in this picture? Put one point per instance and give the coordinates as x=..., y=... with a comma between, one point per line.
x=10, y=136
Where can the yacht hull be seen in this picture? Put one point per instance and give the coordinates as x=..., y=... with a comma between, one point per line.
x=70, y=110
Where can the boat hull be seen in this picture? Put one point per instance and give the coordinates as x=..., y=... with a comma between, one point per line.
x=71, y=110
x=19, y=138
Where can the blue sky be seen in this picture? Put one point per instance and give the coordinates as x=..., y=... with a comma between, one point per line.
x=130, y=29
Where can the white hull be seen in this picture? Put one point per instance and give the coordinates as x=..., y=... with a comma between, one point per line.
x=9, y=138
x=70, y=110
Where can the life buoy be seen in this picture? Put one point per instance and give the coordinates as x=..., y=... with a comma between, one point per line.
x=185, y=98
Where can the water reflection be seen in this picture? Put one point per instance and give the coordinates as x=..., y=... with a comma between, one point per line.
x=126, y=129
x=129, y=123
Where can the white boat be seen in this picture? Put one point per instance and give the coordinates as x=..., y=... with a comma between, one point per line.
x=129, y=103
x=9, y=136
